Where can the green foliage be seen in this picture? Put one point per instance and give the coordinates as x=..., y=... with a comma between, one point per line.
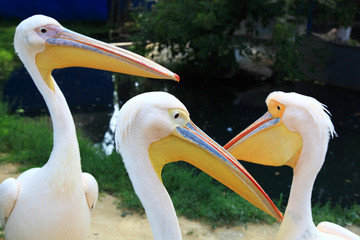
x=345, y=12
x=7, y=32
x=288, y=57
x=203, y=32
x=8, y=61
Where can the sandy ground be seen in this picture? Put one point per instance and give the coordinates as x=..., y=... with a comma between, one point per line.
x=107, y=223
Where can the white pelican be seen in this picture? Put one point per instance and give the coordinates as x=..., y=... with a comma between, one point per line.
x=295, y=132
x=54, y=202
x=154, y=129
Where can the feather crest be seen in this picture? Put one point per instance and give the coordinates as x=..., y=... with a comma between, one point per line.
x=318, y=111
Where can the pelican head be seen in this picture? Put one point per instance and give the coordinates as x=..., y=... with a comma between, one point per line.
x=277, y=138
x=159, y=125
x=43, y=45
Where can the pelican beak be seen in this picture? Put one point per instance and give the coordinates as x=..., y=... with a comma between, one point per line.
x=188, y=143
x=267, y=141
x=65, y=48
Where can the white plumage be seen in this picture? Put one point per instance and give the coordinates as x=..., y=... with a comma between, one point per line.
x=307, y=118
x=154, y=129
x=54, y=201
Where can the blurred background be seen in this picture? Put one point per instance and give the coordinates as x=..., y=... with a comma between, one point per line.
x=229, y=54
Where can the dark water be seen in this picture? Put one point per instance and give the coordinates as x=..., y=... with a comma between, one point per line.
x=222, y=109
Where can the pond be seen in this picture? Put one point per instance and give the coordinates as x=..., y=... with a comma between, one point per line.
x=221, y=108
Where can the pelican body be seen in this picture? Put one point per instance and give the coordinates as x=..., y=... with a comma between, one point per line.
x=154, y=129
x=54, y=201
x=295, y=132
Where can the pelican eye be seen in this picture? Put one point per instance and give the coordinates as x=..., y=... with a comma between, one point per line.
x=278, y=107
x=43, y=30
x=178, y=117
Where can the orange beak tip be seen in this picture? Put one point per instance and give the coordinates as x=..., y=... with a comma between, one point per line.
x=177, y=77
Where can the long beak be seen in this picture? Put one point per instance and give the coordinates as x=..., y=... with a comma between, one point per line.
x=188, y=143
x=69, y=49
x=267, y=141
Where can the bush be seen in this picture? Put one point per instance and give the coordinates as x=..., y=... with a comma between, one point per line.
x=288, y=59
x=202, y=31
x=8, y=60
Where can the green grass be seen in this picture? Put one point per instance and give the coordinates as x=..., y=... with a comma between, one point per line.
x=198, y=196
x=337, y=214
x=195, y=195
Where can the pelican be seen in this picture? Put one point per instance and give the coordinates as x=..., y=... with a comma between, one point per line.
x=295, y=132
x=54, y=201
x=154, y=129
